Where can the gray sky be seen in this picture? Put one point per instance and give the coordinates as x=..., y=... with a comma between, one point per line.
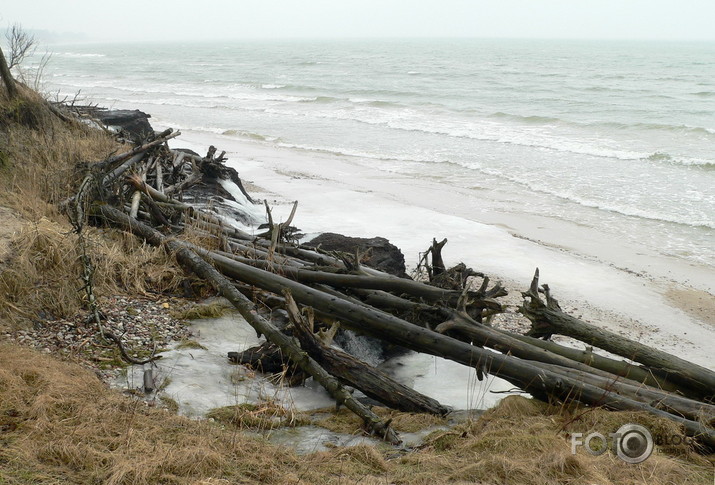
x=133, y=20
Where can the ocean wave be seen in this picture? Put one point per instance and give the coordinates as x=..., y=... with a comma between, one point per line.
x=531, y=185
x=322, y=100
x=242, y=134
x=408, y=120
x=342, y=152
x=690, y=162
x=359, y=102
x=546, y=120
x=77, y=54
x=250, y=135
x=205, y=129
x=290, y=87
x=168, y=102
x=526, y=119
x=680, y=129
x=599, y=204
x=172, y=90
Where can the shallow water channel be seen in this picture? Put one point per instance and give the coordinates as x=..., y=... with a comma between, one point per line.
x=199, y=378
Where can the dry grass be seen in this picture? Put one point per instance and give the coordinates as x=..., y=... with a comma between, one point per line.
x=60, y=424
x=526, y=441
x=42, y=159
x=207, y=310
x=258, y=417
x=41, y=279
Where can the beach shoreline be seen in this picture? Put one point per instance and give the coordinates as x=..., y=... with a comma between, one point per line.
x=341, y=194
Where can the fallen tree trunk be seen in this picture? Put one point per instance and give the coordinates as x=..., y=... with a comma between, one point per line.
x=399, y=285
x=358, y=374
x=515, y=344
x=672, y=403
x=506, y=342
x=548, y=318
x=616, y=367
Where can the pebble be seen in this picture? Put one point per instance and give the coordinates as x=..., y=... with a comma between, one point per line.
x=145, y=326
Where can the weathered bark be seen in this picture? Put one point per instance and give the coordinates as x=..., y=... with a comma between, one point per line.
x=266, y=357
x=397, y=285
x=155, y=211
x=192, y=179
x=547, y=318
x=483, y=335
x=672, y=403
x=149, y=385
x=438, y=266
x=134, y=209
x=358, y=374
x=7, y=78
x=616, y=367
x=159, y=177
x=162, y=137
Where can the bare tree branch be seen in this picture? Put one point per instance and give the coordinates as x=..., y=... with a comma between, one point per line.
x=21, y=45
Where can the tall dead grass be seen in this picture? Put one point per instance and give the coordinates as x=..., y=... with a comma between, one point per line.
x=42, y=160
x=42, y=157
x=526, y=441
x=60, y=424
x=41, y=278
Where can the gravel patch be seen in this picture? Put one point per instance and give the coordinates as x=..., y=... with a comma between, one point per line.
x=144, y=325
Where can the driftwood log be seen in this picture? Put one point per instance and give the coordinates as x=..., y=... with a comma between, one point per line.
x=531, y=378
x=547, y=319
x=358, y=374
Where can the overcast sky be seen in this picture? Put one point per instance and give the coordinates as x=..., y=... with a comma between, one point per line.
x=133, y=20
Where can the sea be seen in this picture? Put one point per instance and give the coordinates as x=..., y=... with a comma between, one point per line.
x=617, y=137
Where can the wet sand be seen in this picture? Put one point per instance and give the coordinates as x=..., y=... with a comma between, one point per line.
x=696, y=303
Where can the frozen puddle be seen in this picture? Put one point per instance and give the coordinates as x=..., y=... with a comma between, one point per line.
x=200, y=379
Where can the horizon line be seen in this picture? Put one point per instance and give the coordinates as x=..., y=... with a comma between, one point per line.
x=378, y=38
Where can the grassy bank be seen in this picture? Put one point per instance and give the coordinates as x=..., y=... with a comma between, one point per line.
x=60, y=424
x=42, y=161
